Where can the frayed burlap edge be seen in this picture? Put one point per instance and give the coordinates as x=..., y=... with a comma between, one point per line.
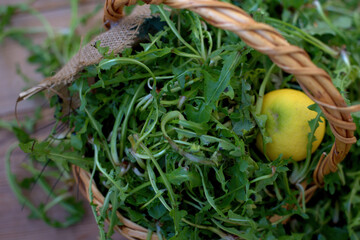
x=122, y=35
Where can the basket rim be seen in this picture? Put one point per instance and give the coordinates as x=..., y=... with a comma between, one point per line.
x=314, y=81
x=129, y=229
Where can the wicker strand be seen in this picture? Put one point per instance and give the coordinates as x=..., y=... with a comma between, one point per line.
x=315, y=82
x=130, y=230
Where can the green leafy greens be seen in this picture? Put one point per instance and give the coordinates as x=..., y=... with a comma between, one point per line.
x=168, y=129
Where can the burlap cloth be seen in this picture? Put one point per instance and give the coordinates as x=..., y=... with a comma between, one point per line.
x=123, y=34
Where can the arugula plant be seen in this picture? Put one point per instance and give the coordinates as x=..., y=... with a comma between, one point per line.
x=167, y=129
x=49, y=168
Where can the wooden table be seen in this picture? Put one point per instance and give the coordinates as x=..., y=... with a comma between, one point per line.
x=14, y=222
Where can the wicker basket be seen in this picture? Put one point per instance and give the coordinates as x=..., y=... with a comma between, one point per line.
x=315, y=82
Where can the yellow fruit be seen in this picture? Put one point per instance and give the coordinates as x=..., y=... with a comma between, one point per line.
x=287, y=124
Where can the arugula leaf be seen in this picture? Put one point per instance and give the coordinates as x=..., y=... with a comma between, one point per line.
x=154, y=173
x=214, y=88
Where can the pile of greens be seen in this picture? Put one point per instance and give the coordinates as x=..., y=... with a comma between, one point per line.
x=167, y=129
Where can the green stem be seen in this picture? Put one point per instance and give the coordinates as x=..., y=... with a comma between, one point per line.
x=73, y=24
x=286, y=183
x=212, y=229
x=102, y=170
x=175, y=31
x=36, y=212
x=149, y=234
x=115, y=81
x=209, y=198
x=113, y=217
x=151, y=128
x=51, y=34
x=188, y=55
x=302, y=192
x=203, y=53
x=327, y=20
x=158, y=193
x=211, y=43
x=57, y=200
x=173, y=115
x=116, y=126
x=154, y=41
x=302, y=174
x=262, y=89
x=48, y=189
x=13, y=183
x=219, y=35
x=127, y=117
x=93, y=206
x=140, y=187
x=18, y=30
x=229, y=193
x=297, y=32
x=94, y=123
x=262, y=178
x=120, y=60
x=277, y=192
x=162, y=174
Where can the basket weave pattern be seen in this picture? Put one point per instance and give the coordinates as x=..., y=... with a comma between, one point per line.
x=315, y=82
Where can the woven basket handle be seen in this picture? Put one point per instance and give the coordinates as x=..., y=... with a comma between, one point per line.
x=315, y=82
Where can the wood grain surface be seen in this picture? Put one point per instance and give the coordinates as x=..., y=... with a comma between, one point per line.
x=14, y=221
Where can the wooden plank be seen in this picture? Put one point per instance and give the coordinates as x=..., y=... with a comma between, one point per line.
x=49, y=5
x=11, y=55
x=14, y=222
